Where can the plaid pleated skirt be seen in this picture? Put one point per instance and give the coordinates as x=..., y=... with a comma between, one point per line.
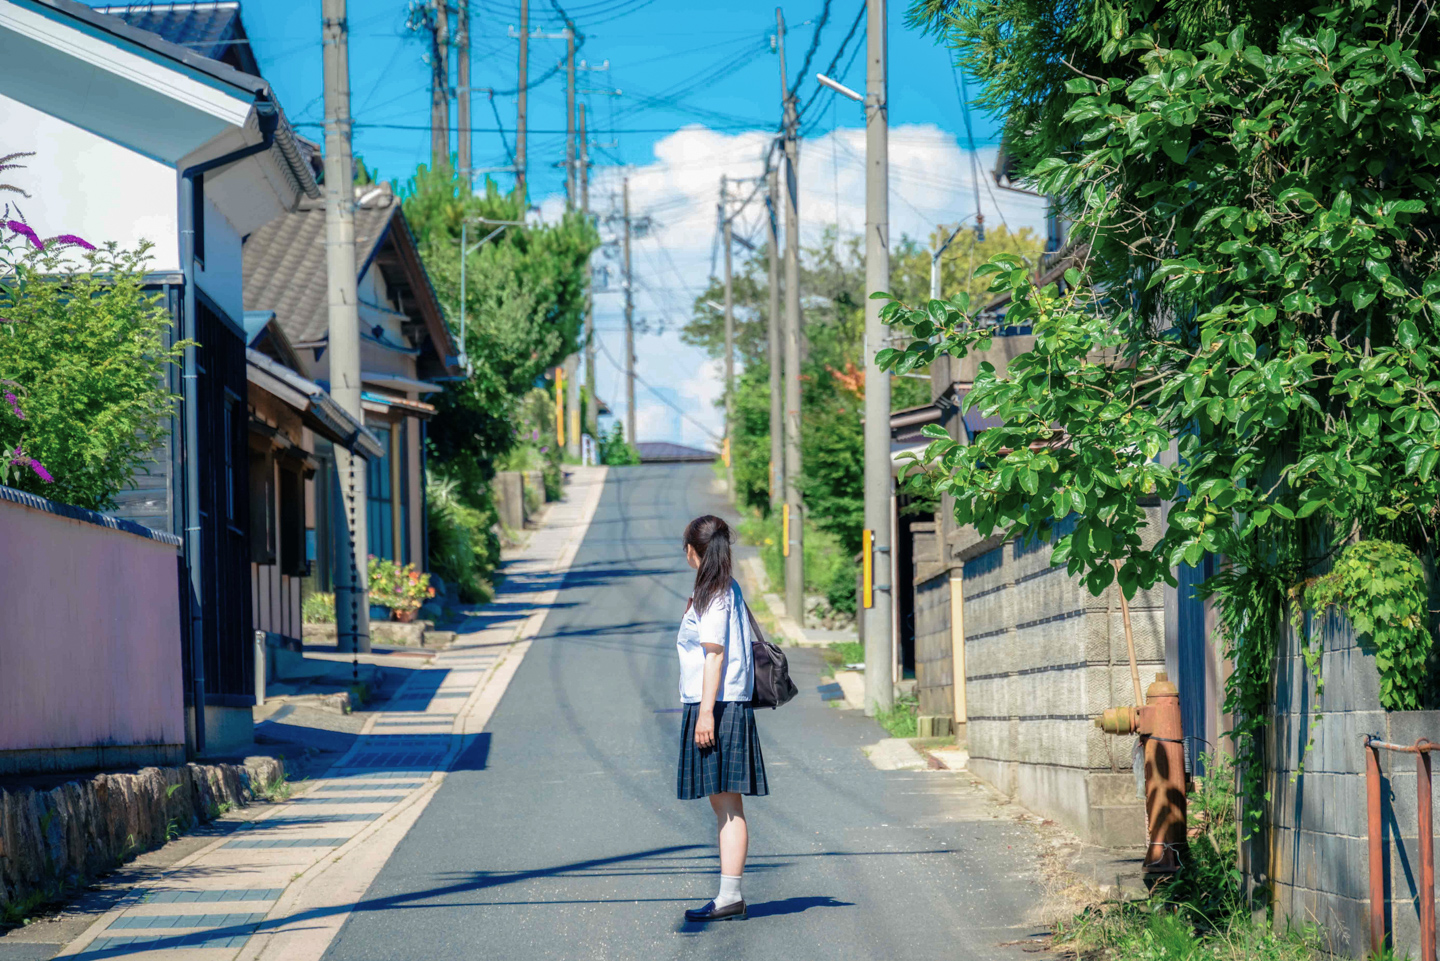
x=734, y=763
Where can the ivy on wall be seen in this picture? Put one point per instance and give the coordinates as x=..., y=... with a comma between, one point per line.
x=1252, y=284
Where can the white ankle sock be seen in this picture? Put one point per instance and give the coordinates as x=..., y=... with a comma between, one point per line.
x=729, y=891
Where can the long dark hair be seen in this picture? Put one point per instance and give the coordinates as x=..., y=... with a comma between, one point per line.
x=710, y=537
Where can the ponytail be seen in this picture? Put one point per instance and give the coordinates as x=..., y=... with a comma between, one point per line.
x=709, y=536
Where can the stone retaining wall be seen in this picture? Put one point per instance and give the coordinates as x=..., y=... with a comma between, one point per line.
x=60, y=837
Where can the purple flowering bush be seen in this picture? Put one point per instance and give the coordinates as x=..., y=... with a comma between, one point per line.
x=84, y=401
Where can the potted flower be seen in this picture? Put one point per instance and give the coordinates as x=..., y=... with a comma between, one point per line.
x=401, y=589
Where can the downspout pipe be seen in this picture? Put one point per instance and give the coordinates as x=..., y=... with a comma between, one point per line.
x=192, y=241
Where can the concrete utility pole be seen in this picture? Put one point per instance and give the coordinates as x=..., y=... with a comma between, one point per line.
x=521, y=102
x=440, y=86
x=795, y=558
x=777, y=364
x=879, y=638
x=592, y=415
x=571, y=190
x=462, y=77
x=352, y=582
x=729, y=339
x=629, y=330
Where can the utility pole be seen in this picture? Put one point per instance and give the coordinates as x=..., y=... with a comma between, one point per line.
x=629, y=330
x=462, y=78
x=795, y=542
x=521, y=102
x=592, y=415
x=729, y=340
x=879, y=624
x=777, y=364
x=440, y=86
x=352, y=582
x=571, y=190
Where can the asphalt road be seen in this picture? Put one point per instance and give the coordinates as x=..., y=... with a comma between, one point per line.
x=560, y=836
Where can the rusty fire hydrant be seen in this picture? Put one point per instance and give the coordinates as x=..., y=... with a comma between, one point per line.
x=1162, y=739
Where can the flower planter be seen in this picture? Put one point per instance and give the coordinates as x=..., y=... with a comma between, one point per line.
x=379, y=612
x=404, y=617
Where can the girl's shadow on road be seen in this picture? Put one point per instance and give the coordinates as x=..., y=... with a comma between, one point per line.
x=772, y=909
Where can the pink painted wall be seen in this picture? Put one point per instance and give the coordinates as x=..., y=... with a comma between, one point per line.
x=89, y=635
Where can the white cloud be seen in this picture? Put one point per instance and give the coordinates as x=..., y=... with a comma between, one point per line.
x=932, y=181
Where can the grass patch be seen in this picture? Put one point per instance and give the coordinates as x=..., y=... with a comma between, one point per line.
x=829, y=570
x=1203, y=913
x=836, y=655
x=1151, y=931
x=900, y=719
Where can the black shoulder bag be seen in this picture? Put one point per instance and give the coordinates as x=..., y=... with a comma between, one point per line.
x=773, y=686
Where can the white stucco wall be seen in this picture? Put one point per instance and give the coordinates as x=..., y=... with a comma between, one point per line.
x=222, y=278
x=81, y=183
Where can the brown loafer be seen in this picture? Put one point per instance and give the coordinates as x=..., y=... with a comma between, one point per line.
x=731, y=912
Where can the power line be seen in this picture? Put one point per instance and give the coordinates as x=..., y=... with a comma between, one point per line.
x=835, y=60
x=658, y=396
x=814, y=45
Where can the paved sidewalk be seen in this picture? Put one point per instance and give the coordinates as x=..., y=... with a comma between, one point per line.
x=282, y=885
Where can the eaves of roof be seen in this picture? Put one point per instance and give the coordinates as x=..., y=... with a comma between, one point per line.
x=315, y=405
x=156, y=48
x=153, y=44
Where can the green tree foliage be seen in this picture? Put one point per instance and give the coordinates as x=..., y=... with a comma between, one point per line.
x=614, y=451
x=83, y=348
x=1254, y=279
x=525, y=293
x=832, y=278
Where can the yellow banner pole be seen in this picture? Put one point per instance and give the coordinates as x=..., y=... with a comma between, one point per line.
x=560, y=406
x=867, y=565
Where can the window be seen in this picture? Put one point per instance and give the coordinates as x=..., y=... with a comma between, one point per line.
x=294, y=558
x=403, y=468
x=262, y=507
x=379, y=508
x=228, y=442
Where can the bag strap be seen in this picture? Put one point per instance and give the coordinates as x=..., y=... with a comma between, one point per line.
x=754, y=624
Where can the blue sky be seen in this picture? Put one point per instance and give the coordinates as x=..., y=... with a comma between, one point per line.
x=717, y=56
x=699, y=97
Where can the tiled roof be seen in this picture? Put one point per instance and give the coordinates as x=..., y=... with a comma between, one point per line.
x=285, y=263
x=662, y=452
x=210, y=29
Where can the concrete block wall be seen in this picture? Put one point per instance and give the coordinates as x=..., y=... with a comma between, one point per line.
x=1043, y=658
x=1313, y=853
x=934, y=653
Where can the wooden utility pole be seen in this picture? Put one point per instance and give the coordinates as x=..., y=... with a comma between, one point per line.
x=729, y=339
x=879, y=608
x=352, y=583
x=521, y=102
x=440, y=86
x=792, y=508
x=462, y=100
x=777, y=363
x=571, y=188
x=629, y=329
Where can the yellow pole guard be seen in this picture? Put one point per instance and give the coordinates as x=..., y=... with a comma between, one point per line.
x=725, y=453
x=560, y=406
x=867, y=565
x=785, y=530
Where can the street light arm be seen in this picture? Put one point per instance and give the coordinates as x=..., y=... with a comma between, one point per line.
x=949, y=240
x=839, y=88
